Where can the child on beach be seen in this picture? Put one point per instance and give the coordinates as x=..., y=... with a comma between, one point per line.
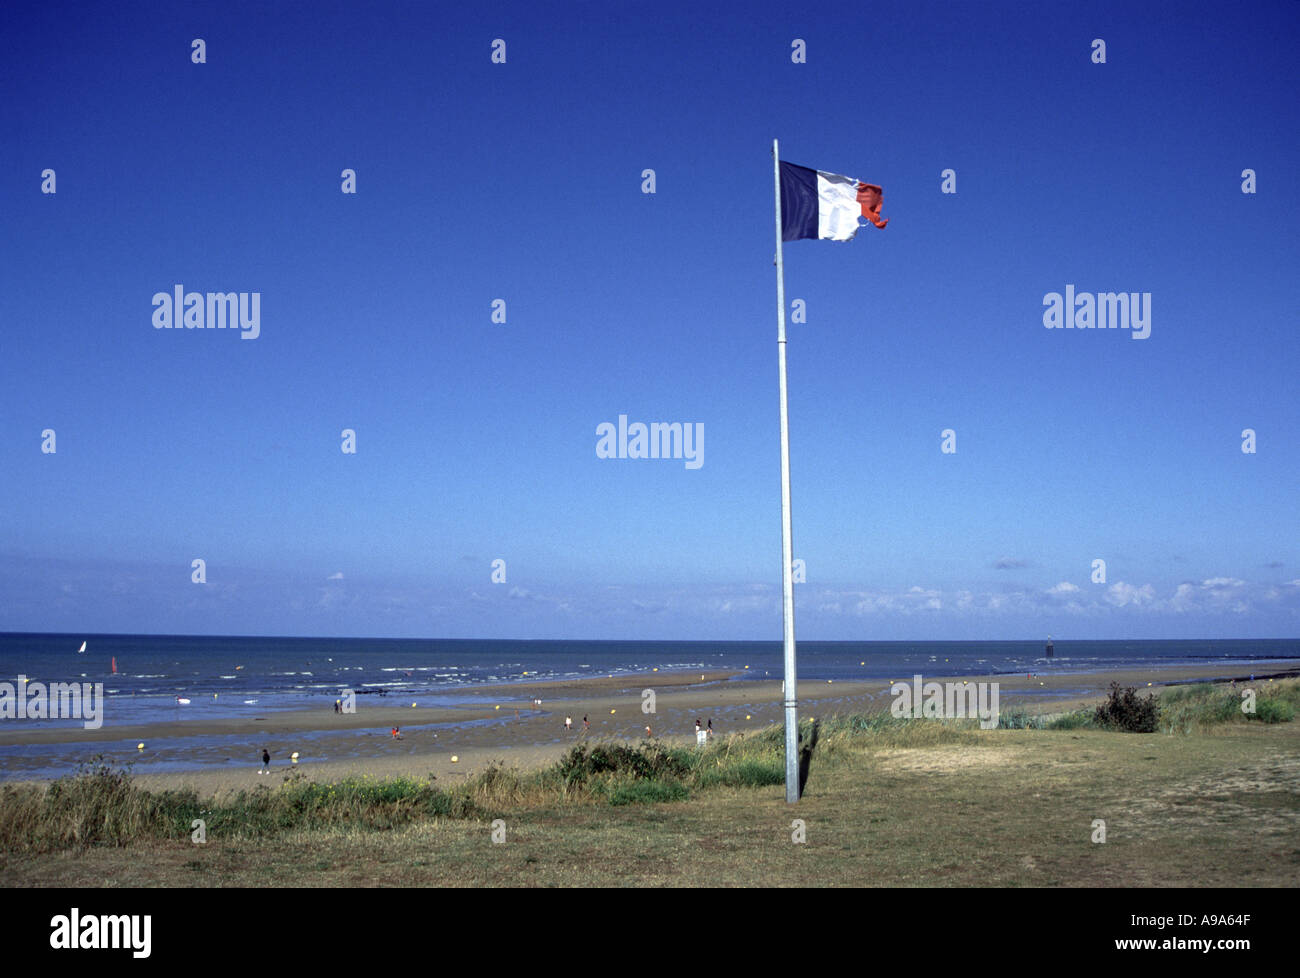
x=266, y=762
x=568, y=723
x=585, y=725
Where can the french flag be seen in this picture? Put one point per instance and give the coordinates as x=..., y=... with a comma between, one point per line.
x=817, y=204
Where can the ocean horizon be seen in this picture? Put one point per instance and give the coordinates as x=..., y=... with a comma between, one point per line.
x=255, y=678
x=289, y=673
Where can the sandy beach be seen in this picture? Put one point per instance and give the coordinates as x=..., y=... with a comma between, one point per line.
x=516, y=732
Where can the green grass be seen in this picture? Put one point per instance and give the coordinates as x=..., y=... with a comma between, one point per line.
x=1020, y=719
x=643, y=792
x=102, y=807
x=1184, y=709
x=997, y=808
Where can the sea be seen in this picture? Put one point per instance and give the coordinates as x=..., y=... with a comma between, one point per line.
x=239, y=676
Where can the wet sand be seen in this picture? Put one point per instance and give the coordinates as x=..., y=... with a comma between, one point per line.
x=613, y=707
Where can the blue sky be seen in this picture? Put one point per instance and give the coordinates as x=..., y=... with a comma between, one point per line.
x=521, y=181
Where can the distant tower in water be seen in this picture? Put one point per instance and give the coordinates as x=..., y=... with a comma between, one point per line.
x=1051, y=649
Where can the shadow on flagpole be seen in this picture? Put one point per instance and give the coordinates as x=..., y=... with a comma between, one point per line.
x=805, y=755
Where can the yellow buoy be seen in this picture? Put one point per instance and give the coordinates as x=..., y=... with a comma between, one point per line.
x=139, y=746
x=497, y=707
x=413, y=706
x=746, y=667
x=829, y=681
x=656, y=669
x=611, y=712
x=747, y=716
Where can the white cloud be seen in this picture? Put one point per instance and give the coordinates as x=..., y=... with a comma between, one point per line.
x=1121, y=594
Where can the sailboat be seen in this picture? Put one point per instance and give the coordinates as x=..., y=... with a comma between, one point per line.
x=114, y=665
x=82, y=649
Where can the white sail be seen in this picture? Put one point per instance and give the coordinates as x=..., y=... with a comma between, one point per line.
x=82, y=649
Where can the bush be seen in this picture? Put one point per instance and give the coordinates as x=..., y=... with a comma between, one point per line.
x=1272, y=711
x=647, y=762
x=1124, y=710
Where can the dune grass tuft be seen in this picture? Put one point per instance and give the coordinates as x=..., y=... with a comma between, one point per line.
x=1184, y=709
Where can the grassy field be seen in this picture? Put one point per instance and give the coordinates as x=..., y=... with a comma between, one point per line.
x=1211, y=798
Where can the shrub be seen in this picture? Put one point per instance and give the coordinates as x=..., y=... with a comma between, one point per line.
x=1124, y=710
x=1272, y=711
x=646, y=762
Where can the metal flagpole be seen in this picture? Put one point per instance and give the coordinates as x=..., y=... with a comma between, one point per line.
x=790, y=686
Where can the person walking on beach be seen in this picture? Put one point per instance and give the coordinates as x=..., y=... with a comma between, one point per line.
x=710, y=728
x=337, y=706
x=266, y=762
x=568, y=723
x=586, y=724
